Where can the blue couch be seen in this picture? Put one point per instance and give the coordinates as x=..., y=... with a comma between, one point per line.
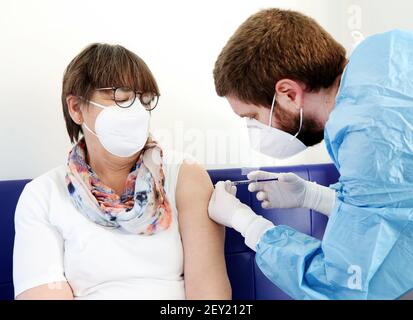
x=247, y=280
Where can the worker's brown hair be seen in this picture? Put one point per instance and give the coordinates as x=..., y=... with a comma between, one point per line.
x=274, y=44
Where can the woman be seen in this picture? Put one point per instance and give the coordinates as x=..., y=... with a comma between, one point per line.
x=105, y=225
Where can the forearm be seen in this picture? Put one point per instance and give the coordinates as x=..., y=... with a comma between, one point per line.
x=250, y=225
x=50, y=291
x=286, y=256
x=319, y=198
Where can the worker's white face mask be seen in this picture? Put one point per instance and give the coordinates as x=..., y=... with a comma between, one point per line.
x=274, y=142
x=122, y=132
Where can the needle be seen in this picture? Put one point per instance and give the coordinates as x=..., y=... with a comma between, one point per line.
x=241, y=182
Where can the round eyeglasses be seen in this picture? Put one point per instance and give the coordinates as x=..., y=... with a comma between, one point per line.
x=124, y=97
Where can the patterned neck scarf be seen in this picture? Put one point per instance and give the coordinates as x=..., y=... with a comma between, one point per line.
x=143, y=208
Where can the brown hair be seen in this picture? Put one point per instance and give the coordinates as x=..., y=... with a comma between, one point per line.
x=274, y=44
x=102, y=65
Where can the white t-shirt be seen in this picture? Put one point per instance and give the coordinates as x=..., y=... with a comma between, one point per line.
x=55, y=242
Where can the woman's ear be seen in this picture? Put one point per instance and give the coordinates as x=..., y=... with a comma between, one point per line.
x=290, y=92
x=73, y=105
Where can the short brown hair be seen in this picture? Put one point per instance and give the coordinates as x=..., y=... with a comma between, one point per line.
x=274, y=44
x=102, y=65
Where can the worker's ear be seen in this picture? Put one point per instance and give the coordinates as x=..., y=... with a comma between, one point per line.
x=290, y=93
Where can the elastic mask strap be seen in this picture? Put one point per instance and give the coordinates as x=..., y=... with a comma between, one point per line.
x=84, y=123
x=272, y=109
x=301, y=122
x=97, y=104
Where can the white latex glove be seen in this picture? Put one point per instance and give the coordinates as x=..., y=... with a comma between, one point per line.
x=227, y=210
x=290, y=191
x=223, y=203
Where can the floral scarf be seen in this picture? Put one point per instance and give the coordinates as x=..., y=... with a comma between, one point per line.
x=143, y=208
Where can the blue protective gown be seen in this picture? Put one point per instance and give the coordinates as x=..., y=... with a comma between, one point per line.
x=367, y=249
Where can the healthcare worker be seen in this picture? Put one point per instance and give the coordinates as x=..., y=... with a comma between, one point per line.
x=291, y=81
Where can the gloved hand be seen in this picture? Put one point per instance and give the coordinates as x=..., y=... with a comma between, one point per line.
x=223, y=203
x=290, y=191
x=227, y=210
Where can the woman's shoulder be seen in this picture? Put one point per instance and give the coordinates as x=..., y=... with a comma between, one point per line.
x=173, y=157
x=172, y=163
x=46, y=182
x=187, y=171
x=37, y=195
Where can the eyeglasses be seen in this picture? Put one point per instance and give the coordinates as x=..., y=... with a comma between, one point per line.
x=124, y=97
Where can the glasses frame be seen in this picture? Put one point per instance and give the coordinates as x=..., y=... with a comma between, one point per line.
x=137, y=93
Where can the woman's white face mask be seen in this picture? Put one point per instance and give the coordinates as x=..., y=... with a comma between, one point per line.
x=274, y=142
x=122, y=132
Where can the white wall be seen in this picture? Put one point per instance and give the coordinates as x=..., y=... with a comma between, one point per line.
x=179, y=40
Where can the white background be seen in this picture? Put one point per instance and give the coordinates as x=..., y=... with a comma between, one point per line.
x=179, y=40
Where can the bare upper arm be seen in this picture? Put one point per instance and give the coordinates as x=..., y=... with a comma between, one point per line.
x=203, y=239
x=51, y=291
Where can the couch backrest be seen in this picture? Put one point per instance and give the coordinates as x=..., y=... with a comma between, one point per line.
x=246, y=279
x=9, y=194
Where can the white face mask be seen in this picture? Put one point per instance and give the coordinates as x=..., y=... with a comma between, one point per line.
x=122, y=132
x=274, y=142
